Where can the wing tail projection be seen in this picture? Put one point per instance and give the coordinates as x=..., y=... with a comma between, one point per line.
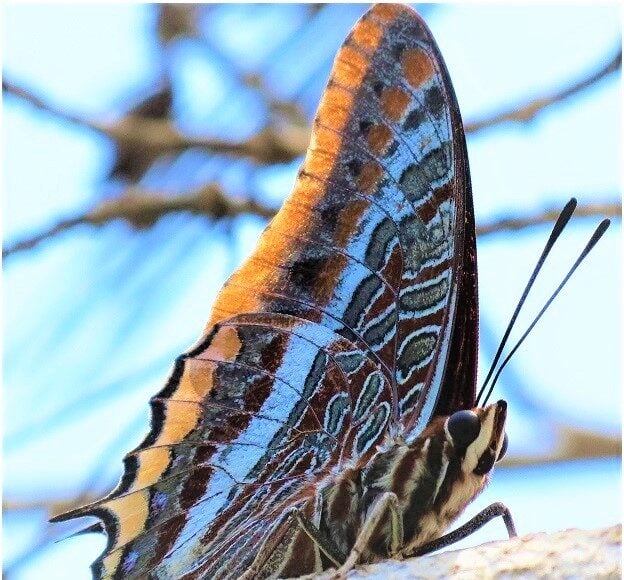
x=264, y=401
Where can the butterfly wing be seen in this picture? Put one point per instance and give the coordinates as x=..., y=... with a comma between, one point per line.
x=377, y=240
x=339, y=325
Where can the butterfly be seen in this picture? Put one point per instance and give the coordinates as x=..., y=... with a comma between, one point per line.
x=328, y=414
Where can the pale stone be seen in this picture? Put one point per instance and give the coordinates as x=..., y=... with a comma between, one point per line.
x=569, y=555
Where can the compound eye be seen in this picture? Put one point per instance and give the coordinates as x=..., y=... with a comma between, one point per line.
x=503, y=448
x=464, y=427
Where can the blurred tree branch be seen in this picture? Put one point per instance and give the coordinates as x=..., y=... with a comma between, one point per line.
x=146, y=133
x=611, y=209
x=526, y=112
x=272, y=145
x=50, y=506
x=571, y=443
x=141, y=209
x=160, y=136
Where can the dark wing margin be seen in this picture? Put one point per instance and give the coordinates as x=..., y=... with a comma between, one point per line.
x=459, y=376
x=356, y=311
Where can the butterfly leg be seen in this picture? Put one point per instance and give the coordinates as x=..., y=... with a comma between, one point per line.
x=325, y=544
x=282, y=531
x=386, y=503
x=483, y=517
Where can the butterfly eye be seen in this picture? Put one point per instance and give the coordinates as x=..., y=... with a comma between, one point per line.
x=464, y=427
x=503, y=450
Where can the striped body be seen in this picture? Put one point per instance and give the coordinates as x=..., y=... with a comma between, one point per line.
x=433, y=479
x=329, y=352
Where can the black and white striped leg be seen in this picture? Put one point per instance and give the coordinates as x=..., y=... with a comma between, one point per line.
x=386, y=503
x=290, y=518
x=325, y=544
x=483, y=517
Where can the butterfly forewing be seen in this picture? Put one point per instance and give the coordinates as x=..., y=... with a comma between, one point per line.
x=366, y=243
x=336, y=329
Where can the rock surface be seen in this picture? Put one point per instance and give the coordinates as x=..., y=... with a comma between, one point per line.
x=569, y=554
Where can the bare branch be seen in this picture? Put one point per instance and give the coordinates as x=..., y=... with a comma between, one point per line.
x=606, y=209
x=272, y=145
x=527, y=112
x=268, y=146
x=160, y=136
x=31, y=242
x=142, y=209
x=51, y=506
x=573, y=443
x=45, y=106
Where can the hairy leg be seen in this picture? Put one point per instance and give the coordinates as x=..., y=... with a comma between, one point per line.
x=325, y=544
x=483, y=517
x=386, y=503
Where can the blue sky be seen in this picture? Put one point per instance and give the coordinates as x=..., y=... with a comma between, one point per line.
x=99, y=314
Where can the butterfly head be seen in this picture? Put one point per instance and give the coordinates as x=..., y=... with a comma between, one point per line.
x=478, y=436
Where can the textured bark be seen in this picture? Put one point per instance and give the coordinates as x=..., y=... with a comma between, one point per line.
x=567, y=554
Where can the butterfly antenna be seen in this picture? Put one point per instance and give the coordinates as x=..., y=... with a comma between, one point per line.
x=600, y=230
x=560, y=224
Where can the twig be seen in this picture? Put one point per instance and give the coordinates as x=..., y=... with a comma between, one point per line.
x=607, y=209
x=571, y=442
x=268, y=146
x=45, y=106
x=527, y=112
x=271, y=145
x=142, y=209
x=31, y=242
x=51, y=506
